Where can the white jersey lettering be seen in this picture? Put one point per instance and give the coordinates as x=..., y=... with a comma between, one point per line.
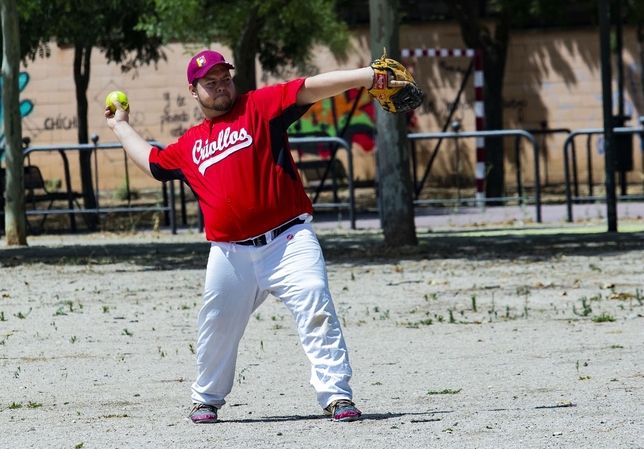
x=206, y=154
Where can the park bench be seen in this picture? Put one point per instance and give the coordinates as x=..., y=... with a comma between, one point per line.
x=38, y=191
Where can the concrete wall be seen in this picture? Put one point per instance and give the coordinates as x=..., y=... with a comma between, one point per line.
x=552, y=78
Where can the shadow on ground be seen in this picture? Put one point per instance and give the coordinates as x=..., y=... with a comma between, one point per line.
x=344, y=248
x=419, y=417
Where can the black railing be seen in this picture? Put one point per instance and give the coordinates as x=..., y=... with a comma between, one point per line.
x=543, y=132
x=458, y=135
x=168, y=206
x=569, y=143
x=341, y=143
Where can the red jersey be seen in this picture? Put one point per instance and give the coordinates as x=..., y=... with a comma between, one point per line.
x=239, y=165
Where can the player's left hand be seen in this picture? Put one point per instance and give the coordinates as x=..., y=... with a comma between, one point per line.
x=394, y=87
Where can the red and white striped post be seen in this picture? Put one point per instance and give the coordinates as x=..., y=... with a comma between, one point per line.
x=479, y=108
x=479, y=111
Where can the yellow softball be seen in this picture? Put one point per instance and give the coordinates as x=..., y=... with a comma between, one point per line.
x=119, y=96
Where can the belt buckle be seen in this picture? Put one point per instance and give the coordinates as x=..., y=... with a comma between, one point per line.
x=269, y=236
x=263, y=239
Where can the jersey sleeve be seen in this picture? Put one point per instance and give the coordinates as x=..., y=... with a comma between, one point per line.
x=278, y=101
x=165, y=163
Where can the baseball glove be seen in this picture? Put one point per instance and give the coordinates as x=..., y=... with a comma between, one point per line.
x=394, y=99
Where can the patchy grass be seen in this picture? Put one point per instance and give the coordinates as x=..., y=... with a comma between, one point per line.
x=446, y=391
x=603, y=318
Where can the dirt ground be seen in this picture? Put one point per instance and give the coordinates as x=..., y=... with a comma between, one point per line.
x=500, y=341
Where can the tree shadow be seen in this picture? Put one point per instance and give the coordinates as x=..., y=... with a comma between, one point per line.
x=154, y=256
x=349, y=248
x=446, y=245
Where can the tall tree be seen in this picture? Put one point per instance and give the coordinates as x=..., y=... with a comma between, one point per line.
x=634, y=9
x=394, y=177
x=15, y=225
x=486, y=25
x=280, y=33
x=85, y=25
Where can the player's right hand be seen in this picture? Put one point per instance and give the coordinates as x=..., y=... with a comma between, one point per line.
x=120, y=115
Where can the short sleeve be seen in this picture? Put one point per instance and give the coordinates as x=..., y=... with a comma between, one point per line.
x=279, y=100
x=165, y=163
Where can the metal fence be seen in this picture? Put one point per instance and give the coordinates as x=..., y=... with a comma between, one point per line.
x=168, y=207
x=543, y=132
x=485, y=134
x=169, y=201
x=569, y=145
x=339, y=143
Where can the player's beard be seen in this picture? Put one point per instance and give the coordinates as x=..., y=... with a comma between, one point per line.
x=222, y=103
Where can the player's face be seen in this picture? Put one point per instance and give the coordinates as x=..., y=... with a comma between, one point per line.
x=215, y=92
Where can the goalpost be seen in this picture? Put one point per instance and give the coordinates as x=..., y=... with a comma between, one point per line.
x=479, y=109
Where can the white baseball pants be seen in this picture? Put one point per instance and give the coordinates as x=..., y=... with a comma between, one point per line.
x=238, y=280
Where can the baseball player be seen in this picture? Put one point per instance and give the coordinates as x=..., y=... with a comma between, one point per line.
x=257, y=218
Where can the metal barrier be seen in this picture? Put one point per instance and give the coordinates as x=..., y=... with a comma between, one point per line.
x=516, y=132
x=343, y=144
x=168, y=207
x=569, y=142
x=543, y=132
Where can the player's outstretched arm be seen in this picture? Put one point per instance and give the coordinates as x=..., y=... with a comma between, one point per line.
x=328, y=84
x=386, y=80
x=134, y=145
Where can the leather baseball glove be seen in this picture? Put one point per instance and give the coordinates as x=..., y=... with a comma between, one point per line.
x=394, y=87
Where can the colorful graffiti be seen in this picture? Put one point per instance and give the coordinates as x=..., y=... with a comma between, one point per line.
x=332, y=118
x=26, y=106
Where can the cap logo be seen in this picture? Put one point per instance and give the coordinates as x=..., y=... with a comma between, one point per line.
x=201, y=61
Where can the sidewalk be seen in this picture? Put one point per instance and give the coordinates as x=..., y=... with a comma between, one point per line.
x=553, y=215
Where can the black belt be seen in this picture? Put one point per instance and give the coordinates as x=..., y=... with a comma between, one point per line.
x=263, y=239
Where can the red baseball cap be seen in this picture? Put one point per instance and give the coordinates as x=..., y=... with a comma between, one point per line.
x=204, y=61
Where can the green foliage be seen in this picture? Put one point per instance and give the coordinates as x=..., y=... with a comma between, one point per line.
x=545, y=13
x=124, y=192
x=282, y=32
x=107, y=25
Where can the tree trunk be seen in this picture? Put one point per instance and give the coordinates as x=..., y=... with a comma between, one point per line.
x=494, y=57
x=244, y=54
x=82, y=58
x=494, y=45
x=394, y=173
x=640, y=52
x=15, y=224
